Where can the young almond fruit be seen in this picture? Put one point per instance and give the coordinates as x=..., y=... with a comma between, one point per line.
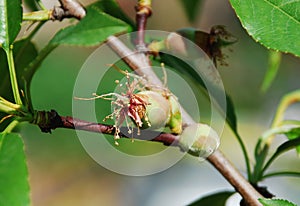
x=158, y=109
x=199, y=140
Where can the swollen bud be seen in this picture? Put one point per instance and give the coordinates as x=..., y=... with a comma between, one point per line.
x=199, y=140
x=158, y=111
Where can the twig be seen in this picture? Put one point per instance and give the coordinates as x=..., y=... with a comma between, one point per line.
x=50, y=120
x=137, y=63
x=143, y=11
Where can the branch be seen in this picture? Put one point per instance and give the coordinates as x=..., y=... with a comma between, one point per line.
x=68, y=9
x=143, y=11
x=137, y=62
x=50, y=120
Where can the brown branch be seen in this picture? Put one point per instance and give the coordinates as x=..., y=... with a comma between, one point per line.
x=143, y=12
x=51, y=120
x=138, y=62
x=69, y=8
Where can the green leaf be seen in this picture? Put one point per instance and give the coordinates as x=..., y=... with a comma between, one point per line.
x=14, y=190
x=191, y=8
x=275, y=202
x=10, y=21
x=274, y=63
x=293, y=134
x=112, y=8
x=93, y=29
x=275, y=24
x=218, y=199
x=284, y=147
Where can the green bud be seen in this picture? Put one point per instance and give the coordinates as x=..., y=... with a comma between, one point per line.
x=199, y=140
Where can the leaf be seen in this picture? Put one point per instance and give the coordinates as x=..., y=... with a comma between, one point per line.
x=274, y=63
x=275, y=24
x=275, y=202
x=284, y=147
x=191, y=8
x=93, y=29
x=14, y=190
x=293, y=134
x=10, y=21
x=112, y=8
x=218, y=199
x=185, y=70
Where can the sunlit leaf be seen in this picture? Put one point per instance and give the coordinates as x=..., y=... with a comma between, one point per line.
x=10, y=21
x=93, y=29
x=14, y=190
x=275, y=202
x=274, y=63
x=217, y=199
x=275, y=24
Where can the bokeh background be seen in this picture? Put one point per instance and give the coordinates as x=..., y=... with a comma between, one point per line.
x=62, y=173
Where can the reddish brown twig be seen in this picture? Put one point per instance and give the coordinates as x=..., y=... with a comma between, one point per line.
x=50, y=120
x=143, y=11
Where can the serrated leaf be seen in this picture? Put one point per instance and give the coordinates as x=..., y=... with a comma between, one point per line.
x=10, y=21
x=217, y=199
x=191, y=8
x=14, y=190
x=274, y=63
x=275, y=202
x=93, y=29
x=275, y=24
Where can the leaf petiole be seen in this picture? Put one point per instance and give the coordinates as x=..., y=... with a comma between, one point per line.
x=13, y=77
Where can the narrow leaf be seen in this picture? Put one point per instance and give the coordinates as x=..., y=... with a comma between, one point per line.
x=286, y=146
x=93, y=29
x=218, y=199
x=10, y=21
x=274, y=63
x=191, y=8
x=275, y=202
x=293, y=134
x=14, y=190
x=275, y=24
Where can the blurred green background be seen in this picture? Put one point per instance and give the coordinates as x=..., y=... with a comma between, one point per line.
x=62, y=173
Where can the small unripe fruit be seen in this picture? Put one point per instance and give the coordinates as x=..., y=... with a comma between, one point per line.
x=157, y=110
x=199, y=140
